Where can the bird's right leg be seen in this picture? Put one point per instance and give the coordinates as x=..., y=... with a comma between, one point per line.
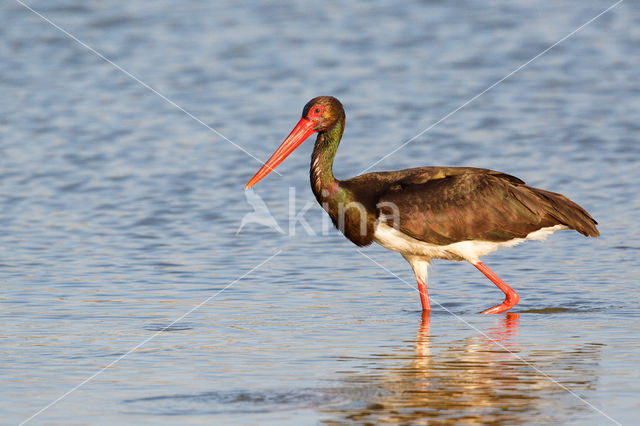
x=419, y=266
x=424, y=295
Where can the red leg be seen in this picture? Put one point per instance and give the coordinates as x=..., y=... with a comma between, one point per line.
x=511, y=298
x=424, y=296
x=419, y=266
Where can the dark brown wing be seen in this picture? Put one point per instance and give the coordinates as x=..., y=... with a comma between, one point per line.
x=445, y=205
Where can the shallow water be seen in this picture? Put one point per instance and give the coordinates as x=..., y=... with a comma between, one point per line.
x=119, y=214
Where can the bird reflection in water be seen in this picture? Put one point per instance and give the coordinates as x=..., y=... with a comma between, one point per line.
x=476, y=379
x=478, y=365
x=502, y=335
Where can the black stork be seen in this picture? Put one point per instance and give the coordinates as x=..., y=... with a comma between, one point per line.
x=453, y=213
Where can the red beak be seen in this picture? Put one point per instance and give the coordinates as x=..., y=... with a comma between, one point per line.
x=302, y=131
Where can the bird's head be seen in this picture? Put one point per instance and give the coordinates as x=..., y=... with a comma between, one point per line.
x=324, y=111
x=319, y=115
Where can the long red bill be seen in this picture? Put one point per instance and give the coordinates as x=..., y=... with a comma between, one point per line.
x=302, y=131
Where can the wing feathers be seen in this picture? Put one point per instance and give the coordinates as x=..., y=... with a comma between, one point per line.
x=445, y=205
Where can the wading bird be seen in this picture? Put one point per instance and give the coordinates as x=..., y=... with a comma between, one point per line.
x=453, y=213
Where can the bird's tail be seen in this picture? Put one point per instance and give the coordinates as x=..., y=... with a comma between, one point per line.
x=559, y=207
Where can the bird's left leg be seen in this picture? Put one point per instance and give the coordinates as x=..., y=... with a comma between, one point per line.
x=419, y=266
x=511, y=298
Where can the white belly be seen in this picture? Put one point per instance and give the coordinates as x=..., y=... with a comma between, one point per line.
x=393, y=239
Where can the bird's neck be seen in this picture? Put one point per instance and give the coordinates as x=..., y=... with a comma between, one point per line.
x=324, y=185
x=352, y=218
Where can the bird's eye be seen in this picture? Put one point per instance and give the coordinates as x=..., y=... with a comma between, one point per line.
x=316, y=112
